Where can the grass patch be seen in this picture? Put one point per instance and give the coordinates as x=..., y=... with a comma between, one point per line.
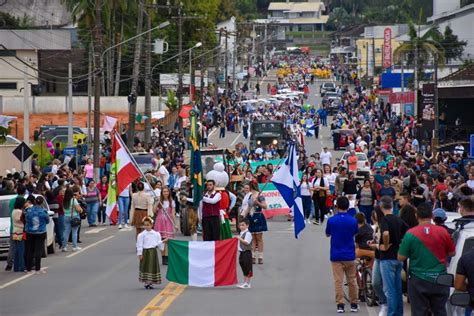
x=309, y=34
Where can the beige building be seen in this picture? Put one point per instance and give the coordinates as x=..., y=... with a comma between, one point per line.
x=370, y=47
x=299, y=16
x=19, y=53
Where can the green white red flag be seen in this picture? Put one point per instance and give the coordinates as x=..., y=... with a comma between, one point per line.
x=122, y=172
x=202, y=263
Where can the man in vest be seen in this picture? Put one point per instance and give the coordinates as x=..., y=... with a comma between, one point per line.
x=211, y=213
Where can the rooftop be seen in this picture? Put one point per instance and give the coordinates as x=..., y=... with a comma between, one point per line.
x=296, y=6
x=446, y=15
x=36, y=39
x=463, y=74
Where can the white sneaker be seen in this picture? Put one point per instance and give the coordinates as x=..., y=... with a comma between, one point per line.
x=76, y=248
x=383, y=310
x=244, y=286
x=120, y=226
x=126, y=226
x=64, y=249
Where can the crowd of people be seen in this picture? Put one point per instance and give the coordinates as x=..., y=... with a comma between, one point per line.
x=385, y=216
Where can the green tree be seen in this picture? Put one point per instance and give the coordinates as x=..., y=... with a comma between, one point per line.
x=339, y=18
x=420, y=49
x=171, y=100
x=453, y=48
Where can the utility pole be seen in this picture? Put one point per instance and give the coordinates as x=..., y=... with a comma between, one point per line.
x=89, y=101
x=148, y=83
x=135, y=73
x=367, y=59
x=226, y=76
x=415, y=75
x=234, y=60
x=435, y=142
x=402, y=84
x=180, y=65
x=26, y=107
x=218, y=58
x=201, y=102
x=265, y=49
x=70, y=141
x=97, y=77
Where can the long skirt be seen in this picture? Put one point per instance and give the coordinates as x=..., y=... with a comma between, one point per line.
x=225, y=230
x=164, y=224
x=150, y=267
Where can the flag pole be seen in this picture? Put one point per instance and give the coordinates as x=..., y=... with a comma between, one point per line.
x=155, y=197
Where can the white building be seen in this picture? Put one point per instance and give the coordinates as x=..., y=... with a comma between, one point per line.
x=299, y=16
x=459, y=19
x=19, y=55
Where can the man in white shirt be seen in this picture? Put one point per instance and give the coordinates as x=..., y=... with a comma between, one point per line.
x=326, y=157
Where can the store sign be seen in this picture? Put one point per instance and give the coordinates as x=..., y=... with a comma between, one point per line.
x=387, y=48
x=401, y=97
x=276, y=205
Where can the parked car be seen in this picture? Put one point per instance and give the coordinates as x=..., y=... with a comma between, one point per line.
x=363, y=164
x=10, y=140
x=49, y=245
x=59, y=133
x=144, y=161
x=327, y=87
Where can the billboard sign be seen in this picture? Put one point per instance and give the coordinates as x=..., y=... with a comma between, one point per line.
x=387, y=48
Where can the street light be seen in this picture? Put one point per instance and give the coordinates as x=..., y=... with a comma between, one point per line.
x=97, y=74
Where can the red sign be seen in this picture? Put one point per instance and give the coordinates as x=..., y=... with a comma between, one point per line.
x=402, y=97
x=387, y=48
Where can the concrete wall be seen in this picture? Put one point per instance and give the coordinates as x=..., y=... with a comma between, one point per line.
x=462, y=25
x=9, y=161
x=42, y=105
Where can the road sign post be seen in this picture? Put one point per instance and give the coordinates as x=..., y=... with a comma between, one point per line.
x=22, y=153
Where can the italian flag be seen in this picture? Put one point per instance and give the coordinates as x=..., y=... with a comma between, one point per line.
x=122, y=172
x=202, y=263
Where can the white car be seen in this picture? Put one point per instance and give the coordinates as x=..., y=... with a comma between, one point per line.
x=49, y=244
x=363, y=164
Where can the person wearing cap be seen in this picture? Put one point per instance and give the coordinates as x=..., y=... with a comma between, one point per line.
x=428, y=247
x=439, y=218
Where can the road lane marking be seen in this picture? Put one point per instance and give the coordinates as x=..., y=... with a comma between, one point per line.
x=26, y=276
x=212, y=132
x=90, y=246
x=163, y=300
x=235, y=140
x=95, y=230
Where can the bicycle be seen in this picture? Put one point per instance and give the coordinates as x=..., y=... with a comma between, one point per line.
x=364, y=282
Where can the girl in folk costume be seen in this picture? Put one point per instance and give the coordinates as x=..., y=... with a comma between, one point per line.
x=252, y=208
x=141, y=207
x=228, y=199
x=147, y=242
x=165, y=220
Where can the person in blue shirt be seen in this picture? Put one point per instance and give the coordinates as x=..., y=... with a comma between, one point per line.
x=36, y=219
x=342, y=228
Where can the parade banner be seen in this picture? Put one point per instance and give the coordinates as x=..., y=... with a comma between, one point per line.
x=387, y=48
x=275, y=202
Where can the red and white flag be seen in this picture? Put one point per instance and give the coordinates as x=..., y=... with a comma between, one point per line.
x=109, y=123
x=122, y=172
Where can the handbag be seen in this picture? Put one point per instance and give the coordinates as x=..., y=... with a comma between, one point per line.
x=75, y=221
x=83, y=205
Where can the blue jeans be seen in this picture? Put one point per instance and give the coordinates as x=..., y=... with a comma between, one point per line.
x=19, y=256
x=306, y=199
x=377, y=282
x=67, y=230
x=92, y=210
x=391, y=271
x=59, y=229
x=367, y=210
x=123, y=204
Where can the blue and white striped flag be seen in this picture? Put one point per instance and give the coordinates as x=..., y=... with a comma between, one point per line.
x=287, y=182
x=310, y=128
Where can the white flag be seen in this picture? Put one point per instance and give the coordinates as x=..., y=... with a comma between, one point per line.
x=109, y=123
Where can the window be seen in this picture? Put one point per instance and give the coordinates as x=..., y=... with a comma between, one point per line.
x=7, y=53
x=8, y=86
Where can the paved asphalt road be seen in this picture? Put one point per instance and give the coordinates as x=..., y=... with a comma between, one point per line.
x=296, y=278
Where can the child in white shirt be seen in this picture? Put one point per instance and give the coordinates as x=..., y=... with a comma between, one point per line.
x=147, y=242
x=245, y=253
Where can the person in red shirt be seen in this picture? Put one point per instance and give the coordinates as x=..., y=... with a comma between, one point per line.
x=103, y=187
x=440, y=186
x=352, y=161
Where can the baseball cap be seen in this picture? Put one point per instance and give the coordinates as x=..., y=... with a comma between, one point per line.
x=439, y=212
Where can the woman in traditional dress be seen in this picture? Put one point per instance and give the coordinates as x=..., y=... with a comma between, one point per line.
x=141, y=207
x=165, y=220
x=258, y=224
